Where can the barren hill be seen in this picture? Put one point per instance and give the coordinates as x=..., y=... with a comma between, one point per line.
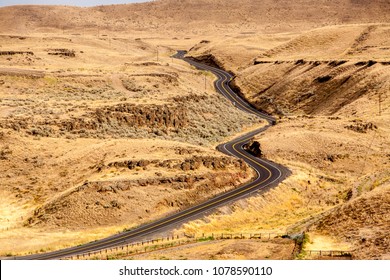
x=330, y=87
x=201, y=17
x=97, y=120
x=326, y=70
x=365, y=222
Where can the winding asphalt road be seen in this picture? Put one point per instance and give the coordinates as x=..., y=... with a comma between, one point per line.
x=269, y=175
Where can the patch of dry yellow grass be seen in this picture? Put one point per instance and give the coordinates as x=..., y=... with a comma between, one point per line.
x=23, y=241
x=225, y=250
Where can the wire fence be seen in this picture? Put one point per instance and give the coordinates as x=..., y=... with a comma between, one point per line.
x=329, y=253
x=172, y=241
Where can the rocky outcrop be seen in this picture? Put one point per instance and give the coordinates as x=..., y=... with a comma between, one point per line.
x=62, y=52
x=193, y=163
x=15, y=53
x=208, y=59
x=361, y=127
x=160, y=116
x=253, y=147
x=121, y=115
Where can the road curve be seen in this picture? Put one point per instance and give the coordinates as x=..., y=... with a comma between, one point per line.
x=269, y=174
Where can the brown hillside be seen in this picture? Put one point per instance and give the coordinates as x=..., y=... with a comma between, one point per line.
x=364, y=222
x=169, y=15
x=324, y=71
x=94, y=138
x=101, y=129
x=341, y=71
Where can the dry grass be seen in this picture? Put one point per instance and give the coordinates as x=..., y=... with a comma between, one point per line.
x=334, y=70
x=45, y=177
x=363, y=223
x=56, y=156
x=64, y=119
x=225, y=250
x=167, y=17
x=293, y=201
x=334, y=159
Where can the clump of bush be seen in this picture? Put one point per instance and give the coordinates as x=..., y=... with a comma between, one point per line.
x=5, y=151
x=44, y=131
x=361, y=127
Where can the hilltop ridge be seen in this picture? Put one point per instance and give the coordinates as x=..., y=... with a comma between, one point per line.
x=168, y=16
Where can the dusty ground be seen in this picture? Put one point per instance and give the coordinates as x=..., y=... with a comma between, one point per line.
x=279, y=249
x=79, y=102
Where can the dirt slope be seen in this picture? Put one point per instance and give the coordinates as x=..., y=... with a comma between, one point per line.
x=364, y=222
x=82, y=88
x=325, y=71
x=95, y=136
x=330, y=88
